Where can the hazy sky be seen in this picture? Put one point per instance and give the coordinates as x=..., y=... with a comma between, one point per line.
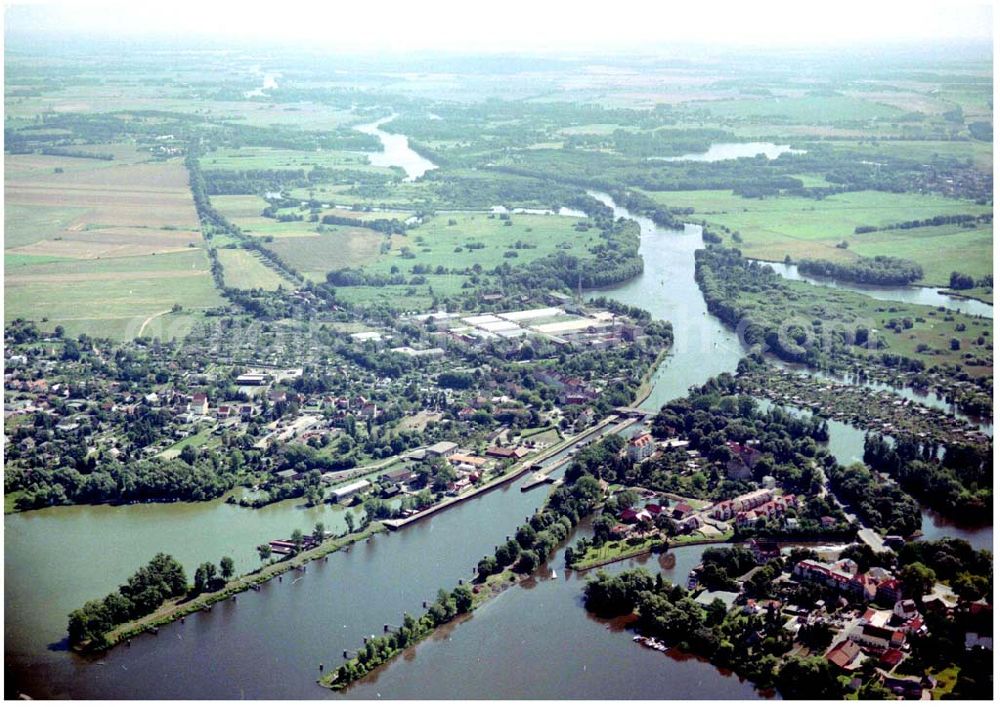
x=511, y=25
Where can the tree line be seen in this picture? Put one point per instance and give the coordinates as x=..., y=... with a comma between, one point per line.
x=880, y=270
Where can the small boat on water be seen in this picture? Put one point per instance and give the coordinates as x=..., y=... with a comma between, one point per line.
x=650, y=643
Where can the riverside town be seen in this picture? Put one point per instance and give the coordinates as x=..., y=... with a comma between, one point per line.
x=645, y=365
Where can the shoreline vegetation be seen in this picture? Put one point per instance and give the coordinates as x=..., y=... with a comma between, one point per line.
x=516, y=559
x=916, y=345
x=940, y=288
x=178, y=607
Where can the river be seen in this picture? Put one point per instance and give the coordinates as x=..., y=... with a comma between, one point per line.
x=269, y=81
x=533, y=641
x=396, y=151
x=703, y=347
x=911, y=295
x=719, y=151
x=538, y=642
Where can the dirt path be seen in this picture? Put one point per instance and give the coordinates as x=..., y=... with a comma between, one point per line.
x=150, y=318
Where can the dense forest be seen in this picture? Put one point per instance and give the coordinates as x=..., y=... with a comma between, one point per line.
x=957, y=483
x=882, y=504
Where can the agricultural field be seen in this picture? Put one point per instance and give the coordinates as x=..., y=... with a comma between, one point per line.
x=774, y=227
x=404, y=195
x=979, y=152
x=239, y=206
x=244, y=270
x=99, y=246
x=114, y=297
x=315, y=254
x=444, y=240
x=803, y=109
x=273, y=158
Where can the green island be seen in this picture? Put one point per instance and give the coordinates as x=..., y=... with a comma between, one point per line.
x=158, y=594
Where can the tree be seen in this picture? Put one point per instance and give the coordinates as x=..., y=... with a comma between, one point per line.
x=874, y=690
x=189, y=454
x=486, y=567
x=808, y=678
x=715, y=612
x=227, y=568
x=918, y=579
x=527, y=561
x=970, y=586
x=349, y=520
x=319, y=532
x=463, y=598
x=264, y=552
x=297, y=539
x=204, y=577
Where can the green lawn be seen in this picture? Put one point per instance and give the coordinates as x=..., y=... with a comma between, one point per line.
x=843, y=308
x=614, y=550
x=199, y=439
x=946, y=680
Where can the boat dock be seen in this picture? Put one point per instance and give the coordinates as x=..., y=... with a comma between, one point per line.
x=543, y=475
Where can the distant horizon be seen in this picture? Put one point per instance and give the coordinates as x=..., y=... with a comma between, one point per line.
x=518, y=27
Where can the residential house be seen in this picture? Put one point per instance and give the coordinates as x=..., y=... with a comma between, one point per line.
x=632, y=515
x=846, y=655
x=199, y=404
x=889, y=591
x=682, y=510
x=764, y=550
x=641, y=447
x=905, y=609
x=501, y=452
x=878, y=637
x=743, y=459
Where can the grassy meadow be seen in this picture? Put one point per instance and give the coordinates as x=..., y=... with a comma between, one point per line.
x=774, y=227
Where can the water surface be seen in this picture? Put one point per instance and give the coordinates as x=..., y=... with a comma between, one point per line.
x=396, y=151
x=719, y=151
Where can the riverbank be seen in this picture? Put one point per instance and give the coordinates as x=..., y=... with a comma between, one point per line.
x=179, y=608
x=646, y=386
